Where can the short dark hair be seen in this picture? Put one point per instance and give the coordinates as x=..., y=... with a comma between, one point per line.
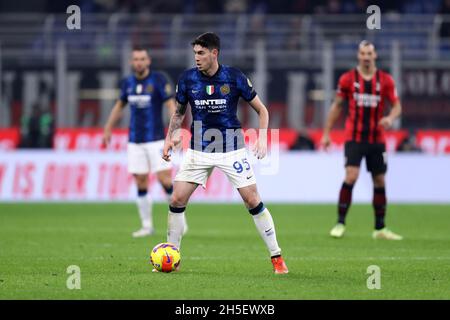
x=366, y=43
x=139, y=48
x=208, y=40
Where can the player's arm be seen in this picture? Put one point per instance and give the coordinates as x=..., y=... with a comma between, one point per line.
x=260, y=149
x=173, y=138
x=333, y=115
x=396, y=110
x=171, y=105
x=114, y=116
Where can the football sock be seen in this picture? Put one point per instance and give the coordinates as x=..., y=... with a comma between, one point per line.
x=345, y=200
x=175, y=225
x=266, y=228
x=379, y=206
x=144, y=204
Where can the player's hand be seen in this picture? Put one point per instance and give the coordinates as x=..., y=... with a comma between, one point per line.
x=106, y=139
x=169, y=145
x=260, y=148
x=386, y=122
x=325, y=141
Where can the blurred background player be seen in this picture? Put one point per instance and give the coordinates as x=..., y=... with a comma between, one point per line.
x=146, y=91
x=213, y=91
x=366, y=88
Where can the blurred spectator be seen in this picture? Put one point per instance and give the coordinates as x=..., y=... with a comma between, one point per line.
x=303, y=142
x=235, y=6
x=356, y=7
x=445, y=26
x=408, y=144
x=37, y=129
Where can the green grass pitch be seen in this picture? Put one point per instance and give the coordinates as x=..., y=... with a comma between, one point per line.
x=223, y=256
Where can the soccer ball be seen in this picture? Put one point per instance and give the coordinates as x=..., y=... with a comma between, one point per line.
x=165, y=257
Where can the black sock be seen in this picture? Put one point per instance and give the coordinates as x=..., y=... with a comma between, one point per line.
x=379, y=206
x=345, y=199
x=169, y=189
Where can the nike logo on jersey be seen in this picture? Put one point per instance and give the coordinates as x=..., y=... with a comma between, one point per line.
x=249, y=177
x=195, y=91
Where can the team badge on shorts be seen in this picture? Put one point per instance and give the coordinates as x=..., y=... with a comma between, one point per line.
x=209, y=90
x=225, y=89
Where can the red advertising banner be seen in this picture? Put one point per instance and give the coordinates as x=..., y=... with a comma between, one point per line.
x=433, y=141
x=90, y=139
x=9, y=138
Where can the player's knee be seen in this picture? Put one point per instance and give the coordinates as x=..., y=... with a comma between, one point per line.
x=351, y=177
x=176, y=200
x=252, y=200
x=141, y=181
x=378, y=181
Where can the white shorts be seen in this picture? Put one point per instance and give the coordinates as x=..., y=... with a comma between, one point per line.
x=197, y=167
x=146, y=157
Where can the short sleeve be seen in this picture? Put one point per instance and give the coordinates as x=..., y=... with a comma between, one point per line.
x=165, y=87
x=123, y=91
x=391, y=91
x=343, y=88
x=181, y=90
x=245, y=87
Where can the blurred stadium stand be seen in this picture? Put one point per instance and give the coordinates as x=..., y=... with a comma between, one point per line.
x=294, y=52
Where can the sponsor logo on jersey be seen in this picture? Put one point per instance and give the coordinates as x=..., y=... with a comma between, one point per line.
x=366, y=100
x=225, y=89
x=211, y=105
x=141, y=101
x=209, y=90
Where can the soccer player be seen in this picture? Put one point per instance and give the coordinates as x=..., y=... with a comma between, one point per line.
x=213, y=91
x=146, y=91
x=366, y=88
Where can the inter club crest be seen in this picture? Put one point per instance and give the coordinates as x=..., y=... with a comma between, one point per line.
x=225, y=89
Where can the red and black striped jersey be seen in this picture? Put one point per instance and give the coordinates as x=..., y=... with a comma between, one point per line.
x=366, y=102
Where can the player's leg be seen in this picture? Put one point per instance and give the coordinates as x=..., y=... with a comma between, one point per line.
x=138, y=165
x=240, y=173
x=161, y=168
x=264, y=224
x=194, y=171
x=353, y=157
x=182, y=191
x=165, y=179
x=144, y=204
x=377, y=165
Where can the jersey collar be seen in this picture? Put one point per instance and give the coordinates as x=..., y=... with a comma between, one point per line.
x=214, y=75
x=145, y=78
